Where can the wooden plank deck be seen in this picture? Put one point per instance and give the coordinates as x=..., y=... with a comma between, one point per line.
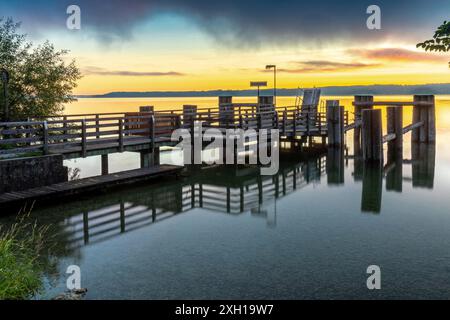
x=77, y=187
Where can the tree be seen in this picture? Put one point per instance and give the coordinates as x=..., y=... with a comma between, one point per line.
x=440, y=41
x=41, y=81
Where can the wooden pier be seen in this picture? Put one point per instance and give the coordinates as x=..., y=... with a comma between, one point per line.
x=147, y=130
x=86, y=185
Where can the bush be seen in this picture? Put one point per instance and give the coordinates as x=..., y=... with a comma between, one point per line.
x=21, y=270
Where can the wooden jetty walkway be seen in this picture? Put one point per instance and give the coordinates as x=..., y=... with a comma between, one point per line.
x=146, y=131
x=86, y=185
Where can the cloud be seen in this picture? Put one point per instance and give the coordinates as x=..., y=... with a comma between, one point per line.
x=102, y=72
x=238, y=22
x=398, y=55
x=327, y=66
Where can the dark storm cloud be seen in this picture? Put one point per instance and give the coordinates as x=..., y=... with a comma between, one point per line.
x=245, y=21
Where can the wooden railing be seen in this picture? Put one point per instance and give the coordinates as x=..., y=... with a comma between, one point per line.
x=83, y=132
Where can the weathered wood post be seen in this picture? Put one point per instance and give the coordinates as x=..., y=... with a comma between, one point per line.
x=395, y=127
x=424, y=111
x=83, y=138
x=97, y=126
x=45, y=136
x=189, y=115
x=335, y=123
x=147, y=109
x=372, y=139
x=121, y=145
x=226, y=110
x=361, y=103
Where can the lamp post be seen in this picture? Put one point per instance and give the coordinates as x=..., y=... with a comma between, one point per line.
x=274, y=67
x=5, y=79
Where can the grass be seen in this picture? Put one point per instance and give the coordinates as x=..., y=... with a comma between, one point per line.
x=21, y=270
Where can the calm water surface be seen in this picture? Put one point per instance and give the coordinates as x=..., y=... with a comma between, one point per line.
x=309, y=232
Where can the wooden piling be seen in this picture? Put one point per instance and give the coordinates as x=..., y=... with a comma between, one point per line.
x=424, y=111
x=395, y=126
x=226, y=111
x=335, y=123
x=189, y=115
x=360, y=103
x=372, y=139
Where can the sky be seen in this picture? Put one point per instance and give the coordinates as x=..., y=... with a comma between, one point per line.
x=174, y=45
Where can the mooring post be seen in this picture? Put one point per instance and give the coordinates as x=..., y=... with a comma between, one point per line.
x=424, y=111
x=335, y=123
x=395, y=126
x=226, y=110
x=372, y=139
x=189, y=115
x=360, y=103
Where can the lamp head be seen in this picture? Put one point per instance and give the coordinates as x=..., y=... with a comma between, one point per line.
x=270, y=66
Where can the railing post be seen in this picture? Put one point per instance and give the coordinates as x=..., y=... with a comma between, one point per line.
x=97, y=126
x=294, y=126
x=83, y=138
x=284, y=122
x=121, y=148
x=45, y=137
x=65, y=128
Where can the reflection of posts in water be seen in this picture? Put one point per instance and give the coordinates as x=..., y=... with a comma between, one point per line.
x=372, y=187
x=394, y=175
x=423, y=164
x=335, y=166
x=394, y=167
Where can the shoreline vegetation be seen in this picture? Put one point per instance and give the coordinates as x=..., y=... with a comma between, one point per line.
x=435, y=89
x=22, y=247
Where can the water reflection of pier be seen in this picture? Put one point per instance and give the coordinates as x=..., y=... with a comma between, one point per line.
x=422, y=162
x=225, y=190
x=233, y=191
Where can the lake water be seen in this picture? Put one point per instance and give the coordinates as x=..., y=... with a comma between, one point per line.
x=308, y=232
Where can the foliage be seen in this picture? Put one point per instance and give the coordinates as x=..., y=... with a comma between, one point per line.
x=21, y=269
x=41, y=81
x=440, y=41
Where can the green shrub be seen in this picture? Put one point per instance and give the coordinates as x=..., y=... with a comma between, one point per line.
x=21, y=270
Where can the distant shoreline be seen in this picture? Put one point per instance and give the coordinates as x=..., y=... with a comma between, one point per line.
x=436, y=89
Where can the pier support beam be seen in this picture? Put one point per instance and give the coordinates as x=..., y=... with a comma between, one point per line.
x=424, y=111
x=147, y=109
x=361, y=103
x=226, y=111
x=335, y=123
x=189, y=115
x=395, y=126
x=372, y=139
x=105, y=165
x=149, y=159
